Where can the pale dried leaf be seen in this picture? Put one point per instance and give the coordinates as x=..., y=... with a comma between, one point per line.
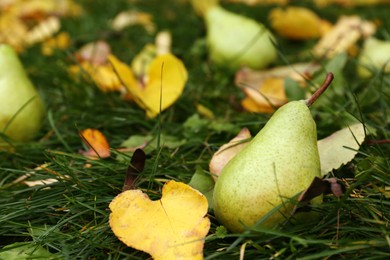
x=340, y=147
x=163, y=42
x=299, y=72
x=227, y=152
x=347, y=31
x=94, y=52
x=43, y=30
x=131, y=17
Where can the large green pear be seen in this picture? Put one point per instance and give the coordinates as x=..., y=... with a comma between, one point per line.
x=234, y=40
x=21, y=108
x=280, y=162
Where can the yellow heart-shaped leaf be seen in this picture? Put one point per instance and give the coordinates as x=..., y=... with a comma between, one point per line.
x=173, y=227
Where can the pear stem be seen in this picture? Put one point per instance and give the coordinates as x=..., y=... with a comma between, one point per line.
x=318, y=93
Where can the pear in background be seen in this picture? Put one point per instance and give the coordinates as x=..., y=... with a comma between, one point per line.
x=234, y=40
x=374, y=56
x=21, y=108
x=280, y=162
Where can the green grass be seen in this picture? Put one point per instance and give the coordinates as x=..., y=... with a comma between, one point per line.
x=70, y=217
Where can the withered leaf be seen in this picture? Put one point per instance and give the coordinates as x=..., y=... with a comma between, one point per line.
x=136, y=167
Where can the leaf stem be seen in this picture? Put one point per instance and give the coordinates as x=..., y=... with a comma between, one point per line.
x=318, y=93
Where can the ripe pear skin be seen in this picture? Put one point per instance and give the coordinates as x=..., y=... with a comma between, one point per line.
x=236, y=41
x=280, y=162
x=21, y=108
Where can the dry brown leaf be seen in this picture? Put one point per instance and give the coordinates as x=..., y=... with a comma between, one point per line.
x=343, y=36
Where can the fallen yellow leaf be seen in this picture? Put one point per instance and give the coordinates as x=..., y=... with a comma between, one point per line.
x=97, y=143
x=298, y=23
x=173, y=227
x=23, y=23
x=103, y=75
x=266, y=97
x=165, y=81
x=61, y=42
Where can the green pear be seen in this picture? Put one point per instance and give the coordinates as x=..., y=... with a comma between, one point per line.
x=280, y=162
x=21, y=108
x=234, y=40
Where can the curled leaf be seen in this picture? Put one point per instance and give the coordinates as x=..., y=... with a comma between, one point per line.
x=227, y=152
x=265, y=98
x=166, y=78
x=267, y=89
x=173, y=227
x=136, y=167
x=340, y=147
x=97, y=143
x=93, y=64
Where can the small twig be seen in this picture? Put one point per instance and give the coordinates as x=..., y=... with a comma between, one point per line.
x=324, y=86
x=372, y=142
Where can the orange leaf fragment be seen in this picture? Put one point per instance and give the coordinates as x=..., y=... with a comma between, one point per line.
x=227, y=151
x=266, y=97
x=173, y=227
x=97, y=143
x=265, y=89
x=298, y=23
